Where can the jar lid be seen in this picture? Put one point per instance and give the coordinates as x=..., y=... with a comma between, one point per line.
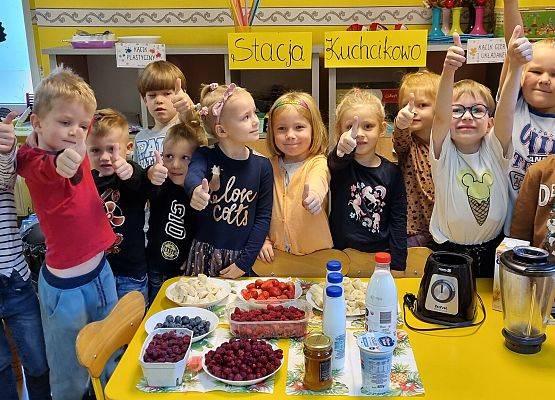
x=335, y=277
x=333, y=265
x=317, y=341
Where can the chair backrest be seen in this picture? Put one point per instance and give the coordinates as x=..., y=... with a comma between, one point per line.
x=97, y=341
x=362, y=264
x=308, y=266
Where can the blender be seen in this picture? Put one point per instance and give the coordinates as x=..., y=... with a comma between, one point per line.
x=527, y=281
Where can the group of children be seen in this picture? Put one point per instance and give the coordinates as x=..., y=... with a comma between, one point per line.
x=215, y=209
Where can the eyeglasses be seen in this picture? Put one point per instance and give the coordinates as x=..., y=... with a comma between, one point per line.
x=477, y=111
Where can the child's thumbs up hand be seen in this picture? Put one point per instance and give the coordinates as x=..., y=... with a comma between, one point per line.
x=519, y=49
x=406, y=114
x=455, y=55
x=7, y=133
x=201, y=196
x=312, y=201
x=157, y=173
x=122, y=168
x=69, y=160
x=347, y=142
x=181, y=100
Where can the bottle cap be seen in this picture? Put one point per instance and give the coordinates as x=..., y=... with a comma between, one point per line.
x=335, y=277
x=383, y=258
x=334, y=291
x=333, y=265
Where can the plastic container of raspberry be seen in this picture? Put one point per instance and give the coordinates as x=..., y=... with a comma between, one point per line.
x=276, y=329
x=164, y=373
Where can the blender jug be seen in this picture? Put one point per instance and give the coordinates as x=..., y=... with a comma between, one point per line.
x=527, y=283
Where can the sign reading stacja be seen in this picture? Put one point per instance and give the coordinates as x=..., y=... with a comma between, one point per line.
x=270, y=50
x=139, y=55
x=402, y=48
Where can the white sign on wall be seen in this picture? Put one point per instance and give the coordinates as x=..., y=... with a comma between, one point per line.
x=139, y=55
x=486, y=51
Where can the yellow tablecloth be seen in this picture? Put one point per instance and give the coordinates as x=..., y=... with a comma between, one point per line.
x=459, y=364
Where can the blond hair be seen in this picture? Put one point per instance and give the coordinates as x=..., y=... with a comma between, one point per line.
x=107, y=119
x=548, y=42
x=306, y=106
x=62, y=84
x=191, y=130
x=357, y=97
x=476, y=90
x=160, y=75
x=424, y=82
x=210, y=95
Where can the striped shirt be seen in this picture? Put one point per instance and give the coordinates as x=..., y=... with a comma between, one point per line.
x=11, y=247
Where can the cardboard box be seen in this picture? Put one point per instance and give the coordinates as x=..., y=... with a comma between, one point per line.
x=506, y=244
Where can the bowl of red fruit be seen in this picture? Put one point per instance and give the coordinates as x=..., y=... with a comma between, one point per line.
x=288, y=319
x=164, y=355
x=269, y=290
x=243, y=362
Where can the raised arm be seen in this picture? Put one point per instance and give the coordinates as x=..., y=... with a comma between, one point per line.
x=511, y=18
x=443, y=108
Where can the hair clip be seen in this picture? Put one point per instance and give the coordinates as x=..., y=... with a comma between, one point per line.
x=203, y=111
x=219, y=105
x=213, y=86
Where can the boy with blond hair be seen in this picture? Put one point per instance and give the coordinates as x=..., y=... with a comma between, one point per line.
x=411, y=141
x=160, y=85
x=76, y=284
x=469, y=161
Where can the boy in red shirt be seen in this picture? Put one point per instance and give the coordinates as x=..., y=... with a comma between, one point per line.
x=76, y=284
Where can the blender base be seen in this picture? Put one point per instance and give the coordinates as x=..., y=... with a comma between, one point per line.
x=523, y=345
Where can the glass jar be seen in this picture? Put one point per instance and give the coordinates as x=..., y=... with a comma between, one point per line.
x=317, y=361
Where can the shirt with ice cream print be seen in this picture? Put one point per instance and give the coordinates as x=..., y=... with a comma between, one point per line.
x=471, y=192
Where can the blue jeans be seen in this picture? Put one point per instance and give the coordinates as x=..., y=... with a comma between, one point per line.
x=66, y=306
x=19, y=309
x=126, y=284
x=155, y=282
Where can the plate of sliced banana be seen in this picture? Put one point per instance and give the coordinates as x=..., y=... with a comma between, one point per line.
x=200, y=291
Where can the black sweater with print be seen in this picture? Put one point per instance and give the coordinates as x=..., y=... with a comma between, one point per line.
x=124, y=202
x=368, y=207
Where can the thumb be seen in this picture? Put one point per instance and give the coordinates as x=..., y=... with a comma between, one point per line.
x=354, y=128
x=115, y=153
x=80, y=147
x=457, y=39
x=10, y=117
x=158, y=157
x=205, y=185
x=306, y=189
x=177, y=86
x=517, y=32
x=411, y=102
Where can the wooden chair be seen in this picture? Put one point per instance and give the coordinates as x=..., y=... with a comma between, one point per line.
x=97, y=341
x=16, y=362
x=308, y=266
x=362, y=264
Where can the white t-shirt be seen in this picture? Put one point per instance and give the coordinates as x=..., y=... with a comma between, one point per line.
x=147, y=140
x=470, y=192
x=533, y=140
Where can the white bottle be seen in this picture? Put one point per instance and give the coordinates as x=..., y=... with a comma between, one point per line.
x=381, y=298
x=333, y=278
x=334, y=324
x=333, y=266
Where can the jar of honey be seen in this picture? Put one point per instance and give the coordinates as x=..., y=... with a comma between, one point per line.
x=317, y=361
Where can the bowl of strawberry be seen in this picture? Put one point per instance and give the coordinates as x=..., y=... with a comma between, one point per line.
x=243, y=362
x=288, y=319
x=164, y=355
x=270, y=290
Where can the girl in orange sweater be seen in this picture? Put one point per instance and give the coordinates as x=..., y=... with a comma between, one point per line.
x=297, y=140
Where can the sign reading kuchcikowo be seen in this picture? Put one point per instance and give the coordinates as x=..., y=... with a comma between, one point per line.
x=486, y=51
x=139, y=55
x=399, y=48
x=270, y=50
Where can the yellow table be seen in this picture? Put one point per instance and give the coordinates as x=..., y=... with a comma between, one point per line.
x=459, y=364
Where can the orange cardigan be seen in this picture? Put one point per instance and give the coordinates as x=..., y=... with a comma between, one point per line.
x=305, y=232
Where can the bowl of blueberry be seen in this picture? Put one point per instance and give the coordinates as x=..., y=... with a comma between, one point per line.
x=200, y=321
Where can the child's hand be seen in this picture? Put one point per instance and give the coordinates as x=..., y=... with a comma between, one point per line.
x=267, y=252
x=519, y=49
x=406, y=114
x=312, y=201
x=7, y=133
x=122, y=168
x=347, y=142
x=201, y=196
x=68, y=161
x=455, y=55
x=232, y=272
x=157, y=174
x=181, y=100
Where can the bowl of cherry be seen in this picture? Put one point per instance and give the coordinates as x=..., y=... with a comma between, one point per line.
x=271, y=290
x=243, y=362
